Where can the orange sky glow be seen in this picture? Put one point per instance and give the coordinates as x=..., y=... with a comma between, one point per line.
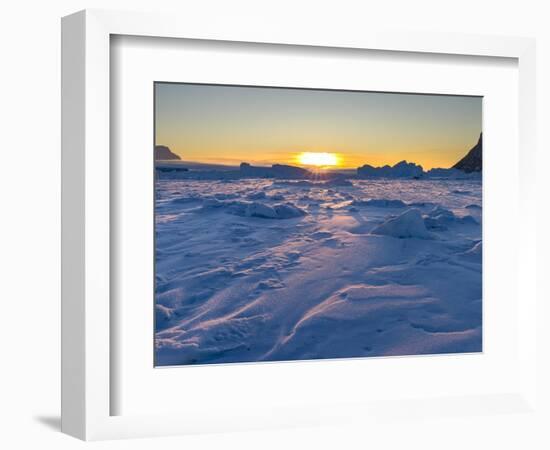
x=232, y=124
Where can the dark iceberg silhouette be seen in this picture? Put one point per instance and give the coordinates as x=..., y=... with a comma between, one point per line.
x=402, y=169
x=275, y=171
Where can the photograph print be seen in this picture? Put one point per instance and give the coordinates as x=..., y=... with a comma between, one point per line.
x=306, y=224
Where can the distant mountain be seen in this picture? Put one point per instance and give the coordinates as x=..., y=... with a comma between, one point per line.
x=163, y=153
x=472, y=162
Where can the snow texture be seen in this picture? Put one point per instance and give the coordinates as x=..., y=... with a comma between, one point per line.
x=407, y=225
x=267, y=269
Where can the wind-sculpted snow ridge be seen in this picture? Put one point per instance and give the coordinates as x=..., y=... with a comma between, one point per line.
x=278, y=211
x=260, y=269
x=440, y=219
x=475, y=253
x=250, y=208
x=380, y=203
x=407, y=225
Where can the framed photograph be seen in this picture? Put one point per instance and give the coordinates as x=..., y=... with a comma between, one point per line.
x=289, y=224
x=267, y=228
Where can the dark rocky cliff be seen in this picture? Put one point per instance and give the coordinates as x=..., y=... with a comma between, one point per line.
x=472, y=162
x=163, y=153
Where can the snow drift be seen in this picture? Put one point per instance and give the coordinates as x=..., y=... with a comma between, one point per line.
x=255, y=269
x=407, y=225
x=278, y=211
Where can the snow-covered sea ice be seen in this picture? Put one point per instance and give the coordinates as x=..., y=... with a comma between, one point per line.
x=258, y=269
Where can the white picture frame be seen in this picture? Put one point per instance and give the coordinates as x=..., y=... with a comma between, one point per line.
x=87, y=386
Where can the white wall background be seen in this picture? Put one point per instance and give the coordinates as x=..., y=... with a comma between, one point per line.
x=30, y=193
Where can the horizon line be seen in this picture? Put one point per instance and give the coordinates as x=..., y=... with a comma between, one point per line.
x=271, y=164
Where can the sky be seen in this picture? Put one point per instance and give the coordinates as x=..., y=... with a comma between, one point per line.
x=260, y=125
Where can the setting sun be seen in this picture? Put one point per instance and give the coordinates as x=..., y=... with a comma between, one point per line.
x=318, y=159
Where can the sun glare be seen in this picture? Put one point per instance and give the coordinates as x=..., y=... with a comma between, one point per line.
x=318, y=159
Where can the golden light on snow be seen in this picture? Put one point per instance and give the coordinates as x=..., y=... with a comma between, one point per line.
x=318, y=159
